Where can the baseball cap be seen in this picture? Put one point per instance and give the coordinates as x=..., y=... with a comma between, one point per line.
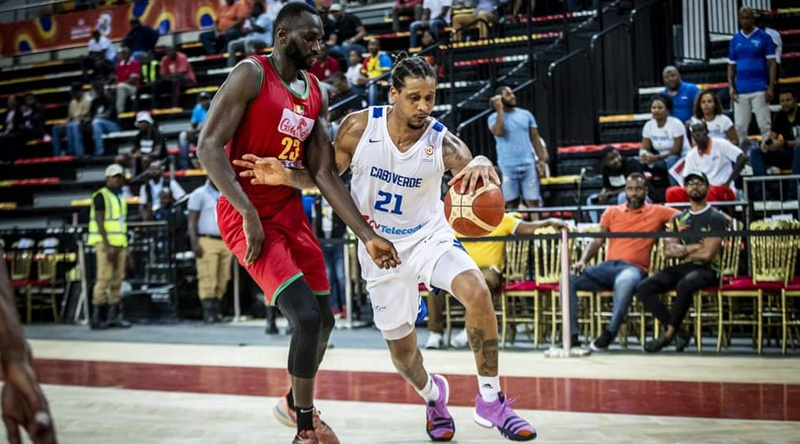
x=144, y=116
x=336, y=7
x=204, y=95
x=696, y=173
x=114, y=170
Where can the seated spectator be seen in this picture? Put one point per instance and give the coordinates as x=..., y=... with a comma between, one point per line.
x=663, y=138
x=141, y=39
x=189, y=137
x=376, y=64
x=708, y=109
x=175, y=74
x=150, y=193
x=128, y=76
x=148, y=142
x=258, y=34
x=32, y=121
x=483, y=11
x=436, y=58
x=78, y=114
x=337, y=86
x=12, y=115
x=355, y=74
x=101, y=59
x=104, y=116
x=435, y=17
x=615, y=170
x=698, y=269
x=148, y=78
x=718, y=159
x=627, y=259
x=325, y=66
x=348, y=32
x=230, y=18
x=490, y=258
x=405, y=8
x=781, y=151
x=683, y=94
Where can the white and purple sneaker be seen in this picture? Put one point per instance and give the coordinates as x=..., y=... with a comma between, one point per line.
x=440, y=425
x=500, y=414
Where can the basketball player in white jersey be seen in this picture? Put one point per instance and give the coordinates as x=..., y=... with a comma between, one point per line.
x=398, y=155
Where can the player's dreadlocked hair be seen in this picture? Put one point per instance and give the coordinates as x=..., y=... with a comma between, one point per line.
x=406, y=66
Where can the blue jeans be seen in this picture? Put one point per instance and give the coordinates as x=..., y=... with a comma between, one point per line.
x=213, y=43
x=520, y=181
x=343, y=51
x=100, y=127
x=74, y=138
x=436, y=27
x=783, y=159
x=621, y=276
x=662, y=167
x=334, y=262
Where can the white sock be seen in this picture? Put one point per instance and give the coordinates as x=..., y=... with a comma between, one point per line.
x=431, y=391
x=489, y=387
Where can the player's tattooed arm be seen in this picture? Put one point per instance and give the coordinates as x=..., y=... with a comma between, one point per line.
x=459, y=161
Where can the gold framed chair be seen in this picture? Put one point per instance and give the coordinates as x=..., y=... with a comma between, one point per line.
x=519, y=296
x=706, y=303
x=790, y=294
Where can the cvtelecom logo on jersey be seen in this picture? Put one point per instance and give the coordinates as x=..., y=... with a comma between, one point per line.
x=386, y=229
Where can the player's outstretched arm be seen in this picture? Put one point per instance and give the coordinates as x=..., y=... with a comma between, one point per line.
x=242, y=85
x=23, y=402
x=458, y=160
x=322, y=164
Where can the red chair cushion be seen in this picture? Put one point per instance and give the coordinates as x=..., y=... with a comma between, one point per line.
x=529, y=286
x=745, y=283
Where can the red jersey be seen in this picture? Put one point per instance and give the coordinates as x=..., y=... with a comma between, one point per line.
x=277, y=124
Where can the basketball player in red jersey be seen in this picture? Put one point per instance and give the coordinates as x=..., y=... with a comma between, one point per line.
x=270, y=107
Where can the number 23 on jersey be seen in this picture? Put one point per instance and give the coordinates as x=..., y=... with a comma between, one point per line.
x=291, y=149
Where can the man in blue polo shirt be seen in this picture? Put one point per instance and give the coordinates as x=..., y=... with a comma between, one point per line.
x=190, y=136
x=682, y=93
x=751, y=75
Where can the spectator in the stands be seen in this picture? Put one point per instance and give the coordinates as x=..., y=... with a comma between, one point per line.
x=781, y=151
x=78, y=114
x=520, y=154
x=141, y=39
x=188, y=138
x=338, y=86
x=698, y=267
x=212, y=257
x=32, y=122
x=128, y=73
x=355, y=74
x=101, y=59
x=273, y=8
x=721, y=162
x=752, y=73
x=405, y=8
x=708, y=109
x=148, y=142
x=175, y=74
x=484, y=11
x=683, y=94
x=148, y=77
x=615, y=170
x=150, y=192
x=230, y=18
x=764, y=21
x=376, y=64
x=663, y=138
x=325, y=66
x=627, y=260
x=104, y=116
x=435, y=17
x=257, y=31
x=12, y=115
x=348, y=32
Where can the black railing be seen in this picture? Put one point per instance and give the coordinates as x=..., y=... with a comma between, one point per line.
x=653, y=39
x=571, y=118
x=451, y=53
x=617, y=60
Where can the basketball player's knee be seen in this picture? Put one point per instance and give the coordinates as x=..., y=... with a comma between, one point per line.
x=309, y=322
x=328, y=322
x=404, y=358
x=474, y=293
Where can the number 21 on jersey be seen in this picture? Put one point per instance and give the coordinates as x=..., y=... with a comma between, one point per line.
x=384, y=203
x=291, y=149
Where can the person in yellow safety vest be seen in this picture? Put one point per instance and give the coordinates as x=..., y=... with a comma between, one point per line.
x=108, y=231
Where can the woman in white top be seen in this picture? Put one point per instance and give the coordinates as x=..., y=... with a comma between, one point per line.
x=663, y=138
x=708, y=108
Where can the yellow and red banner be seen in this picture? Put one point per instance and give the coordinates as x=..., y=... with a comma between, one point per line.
x=75, y=28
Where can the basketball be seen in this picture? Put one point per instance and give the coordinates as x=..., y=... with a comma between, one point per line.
x=475, y=215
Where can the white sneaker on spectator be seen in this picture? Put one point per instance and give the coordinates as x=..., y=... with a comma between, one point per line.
x=460, y=340
x=435, y=341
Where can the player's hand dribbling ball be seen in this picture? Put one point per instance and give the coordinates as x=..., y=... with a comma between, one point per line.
x=477, y=214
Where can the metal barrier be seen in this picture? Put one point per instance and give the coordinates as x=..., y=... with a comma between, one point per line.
x=787, y=203
x=653, y=39
x=571, y=118
x=622, y=80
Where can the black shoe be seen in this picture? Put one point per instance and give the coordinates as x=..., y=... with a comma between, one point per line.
x=208, y=311
x=115, y=319
x=99, y=314
x=217, y=312
x=603, y=341
x=272, y=329
x=682, y=340
x=656, y=345
x=576, y=341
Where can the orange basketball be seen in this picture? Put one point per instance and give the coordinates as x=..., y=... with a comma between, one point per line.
x=475, y=215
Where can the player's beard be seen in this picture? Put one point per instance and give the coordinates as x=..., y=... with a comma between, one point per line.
x=294, y=54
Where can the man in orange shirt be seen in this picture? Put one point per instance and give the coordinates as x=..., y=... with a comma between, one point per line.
x=627, y=259
x=230, y=17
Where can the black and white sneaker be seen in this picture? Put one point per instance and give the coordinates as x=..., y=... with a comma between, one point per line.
x=602, y=342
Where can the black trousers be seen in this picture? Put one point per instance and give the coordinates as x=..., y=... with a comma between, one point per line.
x=686, y=279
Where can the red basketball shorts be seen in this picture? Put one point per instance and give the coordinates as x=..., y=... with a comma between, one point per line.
x=290, y=250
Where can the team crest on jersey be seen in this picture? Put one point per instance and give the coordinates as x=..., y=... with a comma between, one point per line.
x=300, y=109
x=295, y=125
x=429, y=150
